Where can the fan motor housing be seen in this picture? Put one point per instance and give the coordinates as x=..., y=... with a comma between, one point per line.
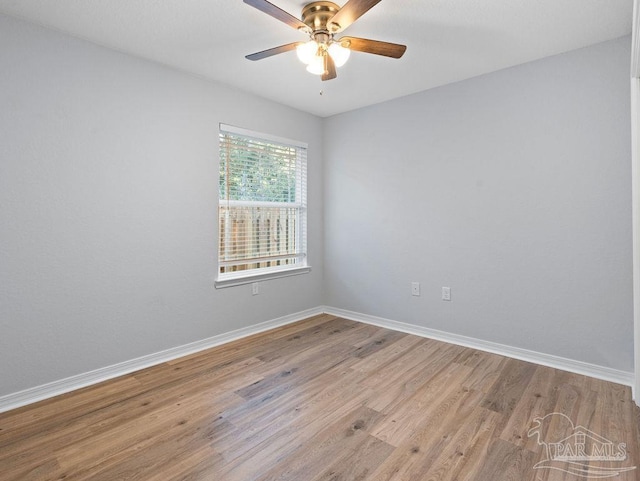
x=316, y=15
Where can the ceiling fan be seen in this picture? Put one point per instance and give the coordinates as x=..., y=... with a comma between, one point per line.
x=321, y=20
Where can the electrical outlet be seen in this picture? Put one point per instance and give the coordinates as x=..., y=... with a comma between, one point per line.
x=415, y=288
x=255, y=289
x=446, y=293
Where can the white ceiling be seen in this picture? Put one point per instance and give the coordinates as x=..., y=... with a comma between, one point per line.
x=447, y=41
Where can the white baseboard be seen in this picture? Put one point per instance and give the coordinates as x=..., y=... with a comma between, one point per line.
x=578, y=367
x=55, y=388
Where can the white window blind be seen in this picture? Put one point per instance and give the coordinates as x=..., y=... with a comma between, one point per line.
x=262, y=212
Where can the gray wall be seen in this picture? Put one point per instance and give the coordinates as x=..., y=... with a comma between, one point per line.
x=108, y=196
x=512, y=188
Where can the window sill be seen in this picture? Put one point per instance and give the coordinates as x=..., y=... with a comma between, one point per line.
x=260, y=276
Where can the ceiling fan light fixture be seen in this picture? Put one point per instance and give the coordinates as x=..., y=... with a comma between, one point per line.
x=321, y=20
x=339, y=54
x=307, y=51
x=316, y=66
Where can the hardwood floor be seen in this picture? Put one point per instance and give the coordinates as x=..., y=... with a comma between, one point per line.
x=328, y=399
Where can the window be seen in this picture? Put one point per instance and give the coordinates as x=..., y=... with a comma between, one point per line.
x=262, y=210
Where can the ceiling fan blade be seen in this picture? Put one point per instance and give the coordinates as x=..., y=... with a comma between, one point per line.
x=278, y=13
x=349, y=13
x=329, y=68
x=272, y=51
x=375, y=47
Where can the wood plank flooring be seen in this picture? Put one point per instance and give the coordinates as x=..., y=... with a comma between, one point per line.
x=327, y=399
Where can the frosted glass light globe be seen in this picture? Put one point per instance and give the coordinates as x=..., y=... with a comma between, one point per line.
x=306, y=51
x=339, y=54
x=316, y=66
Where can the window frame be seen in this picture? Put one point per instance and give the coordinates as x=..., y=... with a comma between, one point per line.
x=264, y=273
